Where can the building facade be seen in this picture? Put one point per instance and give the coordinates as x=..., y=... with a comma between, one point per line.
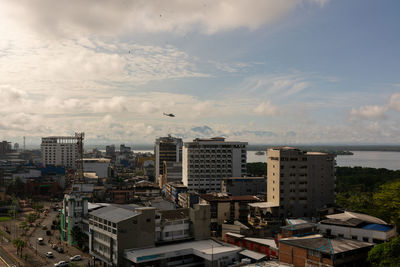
x=241, y=186
x=60, y=151
x=206, y=162
x=300, y=182
x=169, y=150
x=100, y=166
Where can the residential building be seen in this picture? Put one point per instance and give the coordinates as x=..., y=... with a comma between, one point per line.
x=172, y=225
x=168, y=154
x=5, y=147
x=113, y=229
x=205, y=162
x=316, y=250
x=172, y=190
x=241, y=186
x=110, y=151
x=188, y=199
x=60, y=151
x=300, y=182
x=226, y=208
x=74, y=210
x=357, y=226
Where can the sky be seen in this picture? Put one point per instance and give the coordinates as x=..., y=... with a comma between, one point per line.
x=260, y=71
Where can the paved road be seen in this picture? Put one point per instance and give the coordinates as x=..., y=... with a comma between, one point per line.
x=5, y=260
x=54, y=238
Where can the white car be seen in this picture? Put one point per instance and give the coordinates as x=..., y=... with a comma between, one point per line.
x=40, y=241
x=61, y=264
x=49, y=254
x=76, y=258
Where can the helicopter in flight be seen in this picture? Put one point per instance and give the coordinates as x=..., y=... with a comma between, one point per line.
x=169, y=114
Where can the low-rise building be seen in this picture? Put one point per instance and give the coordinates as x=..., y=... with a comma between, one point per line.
x=316, y=250
x=266, y=246
x=99, y=166
x=242, y=186
x=357, y=226
x=113, y=229
x=188, y=199
x=227, y=208
x=172, y=190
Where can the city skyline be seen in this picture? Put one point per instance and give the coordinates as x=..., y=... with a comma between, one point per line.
x=274, y=72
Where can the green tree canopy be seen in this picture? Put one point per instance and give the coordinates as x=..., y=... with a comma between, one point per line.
x=385, y=254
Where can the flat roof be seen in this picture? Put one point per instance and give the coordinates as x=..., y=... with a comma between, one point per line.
x=326, y=245
x=235, y=235
x=251, y=254
x=225, y=198
x=202, y=248
x=114, y=214
x=299, y=226
x=263, y=205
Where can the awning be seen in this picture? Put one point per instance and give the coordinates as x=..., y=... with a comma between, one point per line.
x=253, y=255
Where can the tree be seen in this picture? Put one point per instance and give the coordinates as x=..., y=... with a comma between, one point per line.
x=19, y=244
x=24, y=227
x=31, y=217
x=79, y=237
x=387, y=202
x=386, y=254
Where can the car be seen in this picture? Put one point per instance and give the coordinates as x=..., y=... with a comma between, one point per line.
x=54, y=246
x=49, y=254
x=48, y=232
x=44, y=227
x=61, y=264
x=76, y=258
x=60, y=250
x=40, y=241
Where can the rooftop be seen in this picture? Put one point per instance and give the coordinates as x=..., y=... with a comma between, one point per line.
x=171, y=215
x=354, y=217
x=207, y=249
x=114, y=214
x=263, y=205
x=325, y=245
x=225, y=198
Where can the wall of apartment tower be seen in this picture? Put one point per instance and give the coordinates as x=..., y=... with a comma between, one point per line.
x=300, y=182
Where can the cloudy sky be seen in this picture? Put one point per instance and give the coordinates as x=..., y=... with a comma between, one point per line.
x=262, y=71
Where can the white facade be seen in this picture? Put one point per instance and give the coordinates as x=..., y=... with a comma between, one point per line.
x=172, y=230
x=366, y=235
x=98, y=165
x=205, y=162
x=59, y=151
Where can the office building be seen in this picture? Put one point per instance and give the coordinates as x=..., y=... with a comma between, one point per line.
x=206, y=162
x=168, y=153
x=99, y=166
x=300, y=182
x=60, y=151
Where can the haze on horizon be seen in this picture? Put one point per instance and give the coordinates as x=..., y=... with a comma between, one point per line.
x=273, y=72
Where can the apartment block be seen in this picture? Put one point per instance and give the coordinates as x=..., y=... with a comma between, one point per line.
x=168, y=154
x=206, y=162
x=60, y=151
x=300, y=182
x=242, y=186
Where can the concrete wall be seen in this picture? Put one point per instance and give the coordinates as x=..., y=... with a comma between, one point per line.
x=201, y=221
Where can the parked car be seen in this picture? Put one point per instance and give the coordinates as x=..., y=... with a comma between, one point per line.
x=40, y=241
x=48, y=232
x=60, y=250
x=61, y=264
x=54, y=246
x=49, y=254
x=76, y=258
x=44, y=227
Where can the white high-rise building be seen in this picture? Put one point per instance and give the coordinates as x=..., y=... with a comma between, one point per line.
x=60, y=151
x=205, y=162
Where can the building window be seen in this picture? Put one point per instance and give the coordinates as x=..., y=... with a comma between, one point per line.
x=354, y=237
x=365, y=239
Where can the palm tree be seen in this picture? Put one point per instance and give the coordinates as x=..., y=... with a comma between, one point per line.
x=19, y=244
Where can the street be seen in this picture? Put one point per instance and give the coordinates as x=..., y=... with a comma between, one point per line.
x=53, y=239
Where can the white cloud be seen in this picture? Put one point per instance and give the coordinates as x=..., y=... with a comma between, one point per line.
x=369, y=112
x=265, y=108
x=110, y=17
x=394, y=101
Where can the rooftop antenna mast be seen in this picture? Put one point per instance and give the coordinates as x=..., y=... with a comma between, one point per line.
x=79, y=166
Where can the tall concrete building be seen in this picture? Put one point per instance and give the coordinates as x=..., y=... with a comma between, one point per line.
x=169, y=149
x=206, y=162
x=300, y=182
x=60, y=151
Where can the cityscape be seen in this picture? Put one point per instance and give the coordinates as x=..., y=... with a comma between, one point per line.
x=200, y=133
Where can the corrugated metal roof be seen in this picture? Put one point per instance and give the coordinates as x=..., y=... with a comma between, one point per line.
x=251, y=254
x=114, y=214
